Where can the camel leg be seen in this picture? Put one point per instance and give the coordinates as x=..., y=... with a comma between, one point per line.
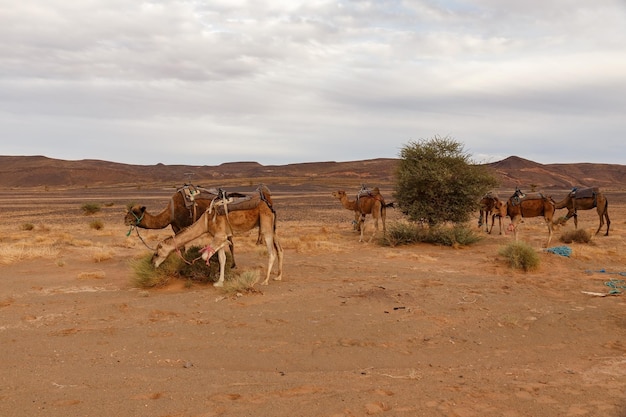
x=549, y=223
x=269, y=240
x=279, y=254
x=362, y=226
x=209, y=250
x=375, y=228
x=221, y=256
x=603, y=213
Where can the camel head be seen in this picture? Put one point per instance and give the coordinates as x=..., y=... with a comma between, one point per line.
x=339, y=194
x=134, y=215
x=499, y=207
x=161, y=252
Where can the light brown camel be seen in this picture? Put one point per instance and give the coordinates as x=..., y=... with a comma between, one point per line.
x=585, y=199
x=221, y=224
x=184, y=208
x=491, y=205
x=367, y=202
x=520, y=205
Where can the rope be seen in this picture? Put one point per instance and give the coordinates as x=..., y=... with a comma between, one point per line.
x=617, y=286
x=560, y=250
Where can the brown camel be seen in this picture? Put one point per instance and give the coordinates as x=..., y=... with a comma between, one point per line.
x=585, y=199
x=184, y=208
x=367, y=202
x=491, y=205
x=220, y=222
x=520, y=205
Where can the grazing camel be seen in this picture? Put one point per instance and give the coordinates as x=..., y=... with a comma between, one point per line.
x=585, y=199
x=520, y=205
x=184, y=208
x=491, y=204
x=220, y=222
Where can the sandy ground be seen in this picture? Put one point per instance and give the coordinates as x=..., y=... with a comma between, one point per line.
x=352, y=330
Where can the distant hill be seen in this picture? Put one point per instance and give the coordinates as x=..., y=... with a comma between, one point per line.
x=41, y=171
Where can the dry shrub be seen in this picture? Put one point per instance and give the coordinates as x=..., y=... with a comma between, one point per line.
x=90, y=208
x=11, y=253
x=241, y=283
x=27, y=226
x=96, y=224
x=520, y=255
x=578, y=236
x=92, y=275
x=102, y=254
x=192, y=268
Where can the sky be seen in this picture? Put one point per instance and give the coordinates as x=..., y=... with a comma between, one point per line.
x=197, y=82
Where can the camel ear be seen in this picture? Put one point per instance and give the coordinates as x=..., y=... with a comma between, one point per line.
x=143, y=208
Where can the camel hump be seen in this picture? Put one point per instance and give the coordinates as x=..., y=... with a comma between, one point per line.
x=584, y=192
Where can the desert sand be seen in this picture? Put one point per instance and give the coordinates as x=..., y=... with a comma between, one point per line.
x=353, y=329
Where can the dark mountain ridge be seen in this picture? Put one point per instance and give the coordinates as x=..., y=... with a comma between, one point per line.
x=41, y=171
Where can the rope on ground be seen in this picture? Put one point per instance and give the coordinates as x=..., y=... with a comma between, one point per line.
x=617, y=286
x=560, y=250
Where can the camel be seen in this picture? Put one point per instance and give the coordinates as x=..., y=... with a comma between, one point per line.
x=585, y=199
x=520, y=205
x=490, y=204
x=220, y=222
x=183, y=209
x=367, y=202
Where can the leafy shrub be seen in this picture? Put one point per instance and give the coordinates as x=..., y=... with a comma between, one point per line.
x=520, y=255
x=405, y=233
x=578, y=236
x=90, y=208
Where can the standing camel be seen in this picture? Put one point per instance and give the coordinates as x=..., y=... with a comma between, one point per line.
x=221, y=222
x=520, y=205
x=490, y=205
x=367, y=202
x=585, y=199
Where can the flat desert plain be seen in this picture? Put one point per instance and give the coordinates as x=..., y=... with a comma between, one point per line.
x=353, y=329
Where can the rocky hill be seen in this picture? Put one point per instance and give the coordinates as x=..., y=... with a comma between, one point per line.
x=40, y=171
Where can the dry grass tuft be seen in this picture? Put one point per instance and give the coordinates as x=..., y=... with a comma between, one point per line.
x=12, y=253
x=92, y=275
x=102, y=254
x=241, y=283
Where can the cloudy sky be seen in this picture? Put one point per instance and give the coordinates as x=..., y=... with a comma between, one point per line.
x=286, y=81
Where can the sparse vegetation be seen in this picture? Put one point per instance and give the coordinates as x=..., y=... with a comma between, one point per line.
x=520, y=255
x=146, y=276
x=404, y=233
x=578, y=236
x=27, y=226
x=96, y=224
x=241, y=283
x=90, y=208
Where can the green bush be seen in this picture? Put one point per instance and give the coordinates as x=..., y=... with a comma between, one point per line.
x=90, y=208
x=520, y=255
x=437, y=182
x=405, y=233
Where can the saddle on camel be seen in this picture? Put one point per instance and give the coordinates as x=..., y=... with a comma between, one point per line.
x=521, y=205
x=585, y=199
x=225, y=216
x=184, y=207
